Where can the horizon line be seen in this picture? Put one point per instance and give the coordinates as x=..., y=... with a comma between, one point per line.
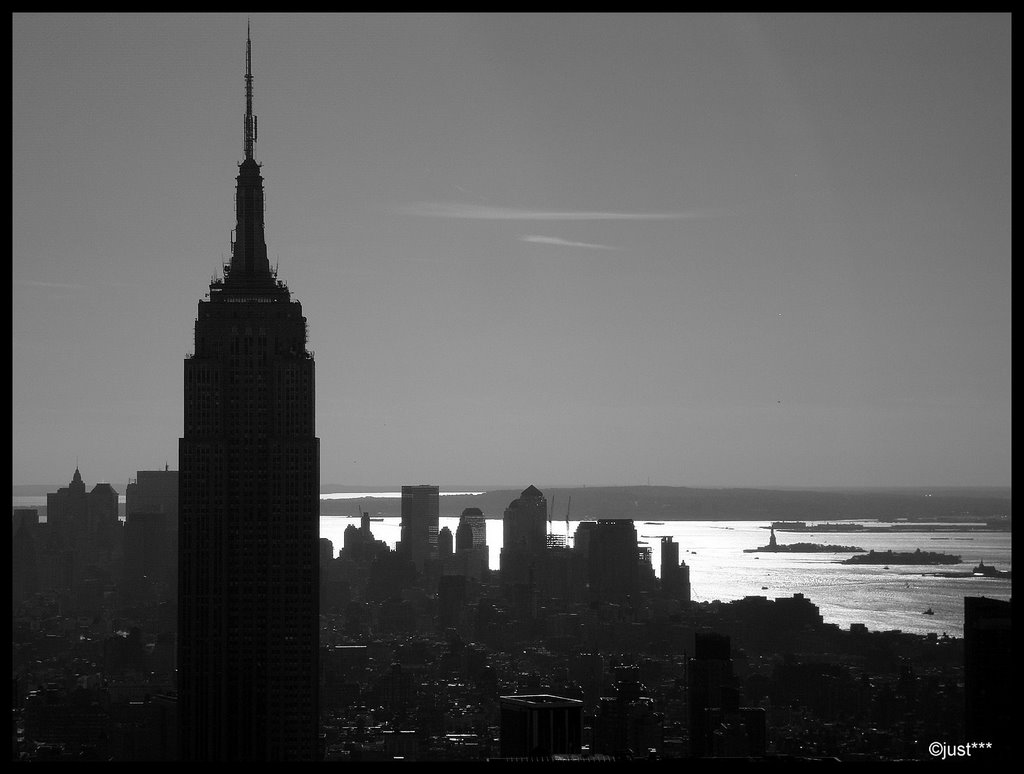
x=464, y=489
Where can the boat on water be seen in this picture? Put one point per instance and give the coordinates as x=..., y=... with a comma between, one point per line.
x=989, y=571
x=981, y=571
x=929, y=611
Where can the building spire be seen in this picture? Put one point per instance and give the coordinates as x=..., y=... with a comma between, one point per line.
x=249, y=262
x=250, y=119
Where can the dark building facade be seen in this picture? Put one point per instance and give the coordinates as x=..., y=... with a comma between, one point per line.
x=451, y=601
x=66, y=507
x=420, y=520
x=540, y=725
x=249, y=509
x=445, y=544
x=988, y=673
x=669, y=564
x=675, y=575
x=612, y=561
x=719, y=726
x=84, y=526
x=152, y=491
x=524, y=538
x=150, y=568
x=471, y=553
x=472, y=530
x=627, y=722
x=25, y=539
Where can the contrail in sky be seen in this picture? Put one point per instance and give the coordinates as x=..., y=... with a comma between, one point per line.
x=544, y=240
x=40, y=284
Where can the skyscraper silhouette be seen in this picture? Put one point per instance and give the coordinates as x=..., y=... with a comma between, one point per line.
x=711, y=685
x=988, y=674
x=420, y=524
x=524, y=538
x=612, y=569
x=249, y=508
x=471, y=552
x=675, y=575
x=472, y=530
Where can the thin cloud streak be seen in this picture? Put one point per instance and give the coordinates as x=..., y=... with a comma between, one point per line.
x=74, y=285
x=61, y=285
x=480, y=212
x=544, y=240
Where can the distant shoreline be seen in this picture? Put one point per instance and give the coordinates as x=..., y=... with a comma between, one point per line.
x=30, y=490
x=663, y=503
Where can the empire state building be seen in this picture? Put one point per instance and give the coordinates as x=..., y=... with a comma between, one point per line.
x=249, y=486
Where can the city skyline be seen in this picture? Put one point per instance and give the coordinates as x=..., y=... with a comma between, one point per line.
x=695, y=250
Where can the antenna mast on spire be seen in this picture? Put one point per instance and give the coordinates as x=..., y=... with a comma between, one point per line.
x=250, y=119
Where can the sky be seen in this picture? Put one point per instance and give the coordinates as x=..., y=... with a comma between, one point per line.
x=679, y=249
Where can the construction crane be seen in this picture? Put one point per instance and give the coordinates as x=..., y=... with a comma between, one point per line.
x=360, y=512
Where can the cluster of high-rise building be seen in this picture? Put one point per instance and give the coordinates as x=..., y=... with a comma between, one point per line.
x=604, y=563
x=84, y=546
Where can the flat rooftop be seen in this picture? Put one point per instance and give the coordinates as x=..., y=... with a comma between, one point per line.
x=540, y=701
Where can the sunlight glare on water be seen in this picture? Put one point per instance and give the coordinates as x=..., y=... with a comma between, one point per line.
x=881, y=599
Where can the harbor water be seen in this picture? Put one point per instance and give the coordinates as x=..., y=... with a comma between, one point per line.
x=880, y=597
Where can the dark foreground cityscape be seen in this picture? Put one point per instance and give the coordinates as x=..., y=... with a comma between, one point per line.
x=214, y=624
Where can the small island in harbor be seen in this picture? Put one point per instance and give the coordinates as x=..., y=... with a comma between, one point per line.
x=802, y=548
x=902, y=557
x=803, y=526
x=893, y=527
